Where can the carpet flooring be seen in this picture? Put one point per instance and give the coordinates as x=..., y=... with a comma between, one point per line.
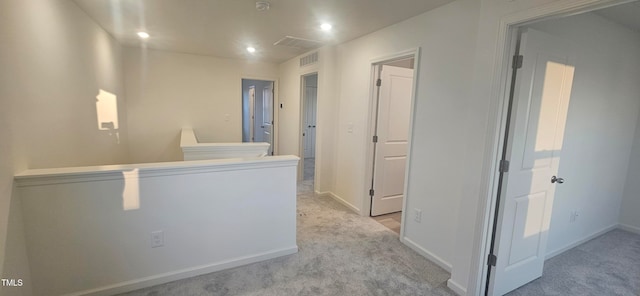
x=340, y=253
x=309, y=168
x=606, y=265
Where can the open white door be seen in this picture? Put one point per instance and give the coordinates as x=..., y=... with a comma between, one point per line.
x=394, y=110
x=540, y=103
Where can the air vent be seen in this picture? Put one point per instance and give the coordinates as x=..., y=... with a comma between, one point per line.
x=309, y=59
x=296, y=42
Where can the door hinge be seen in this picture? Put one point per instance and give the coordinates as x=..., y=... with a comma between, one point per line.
x=379, y=82
x=517, y=61
x=504, y=166
x=371, y=192
x=375, y=139
x=492, y=260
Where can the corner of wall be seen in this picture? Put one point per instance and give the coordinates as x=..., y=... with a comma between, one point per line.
x=16, y=263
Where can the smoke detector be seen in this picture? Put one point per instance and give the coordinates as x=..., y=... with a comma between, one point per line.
x=262, y=5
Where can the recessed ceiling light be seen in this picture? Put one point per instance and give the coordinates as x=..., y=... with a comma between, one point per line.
x=143, y=35
x=326, y=27
x=262, y=5
x=251, y=49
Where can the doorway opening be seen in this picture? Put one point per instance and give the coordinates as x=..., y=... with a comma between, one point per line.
x=393, y=97
x=258, y=112
x=554, y=209
x=308, y=119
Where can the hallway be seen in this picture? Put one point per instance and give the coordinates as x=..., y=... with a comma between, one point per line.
x=340, y=253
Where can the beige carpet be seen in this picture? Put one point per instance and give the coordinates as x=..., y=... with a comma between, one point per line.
x=607, y=265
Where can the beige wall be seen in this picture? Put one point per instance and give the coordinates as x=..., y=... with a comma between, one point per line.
x=166, y=91
x=54, y=61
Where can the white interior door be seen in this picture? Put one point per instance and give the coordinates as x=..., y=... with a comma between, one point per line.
x=311, y=101
x=394, y=110
x=541, y=100
x=267, y=117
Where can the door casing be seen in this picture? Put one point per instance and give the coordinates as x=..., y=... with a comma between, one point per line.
x=276, y=88
x=301, y=123
x=371, y=122
x=506, y=47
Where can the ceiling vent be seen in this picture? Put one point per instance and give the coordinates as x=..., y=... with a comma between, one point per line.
x=309, y=59
x=296, y=42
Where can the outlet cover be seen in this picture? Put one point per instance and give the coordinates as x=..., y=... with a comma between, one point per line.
x=157, y=239
x=417, y=215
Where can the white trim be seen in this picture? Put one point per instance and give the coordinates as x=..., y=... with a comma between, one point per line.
x=427, y=254
x=415, y=53
x=456, y=288
x=508, y=23
x=580, y=242
x=629, y=228
x=136, y=284
x=146, y=170
x=342, y=201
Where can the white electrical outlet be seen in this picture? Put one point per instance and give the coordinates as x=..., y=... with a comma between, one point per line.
x=574, y=215
x=157, y=239
x=417, y=215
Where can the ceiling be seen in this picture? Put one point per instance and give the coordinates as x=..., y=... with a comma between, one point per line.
x=225, y=28
x=626, y=14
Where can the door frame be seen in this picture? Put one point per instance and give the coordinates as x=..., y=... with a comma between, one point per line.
x=275, y=104
x=252, y=113
x=303, y=105
x=500, y=91
x=372, y=117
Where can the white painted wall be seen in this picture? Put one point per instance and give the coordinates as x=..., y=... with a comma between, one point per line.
x=289, y=115
x=444, y=81
x=166, y=91
x=601, y=123
x=629, y=217
x=54, y=60
x=455, y=117
x=94, y=235
x=194, y=150
x=482, y=119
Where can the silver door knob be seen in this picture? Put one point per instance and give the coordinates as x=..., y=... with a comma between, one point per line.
x=555, y=179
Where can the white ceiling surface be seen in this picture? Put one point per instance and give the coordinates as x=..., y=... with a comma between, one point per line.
x=224, y=28
x=626, y=14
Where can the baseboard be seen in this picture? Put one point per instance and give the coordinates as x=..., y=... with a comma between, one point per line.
x=629, y=228
x=579, y=242
x=343, y=202
x=184, y=273
x=457, y=288
x=432, y=257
